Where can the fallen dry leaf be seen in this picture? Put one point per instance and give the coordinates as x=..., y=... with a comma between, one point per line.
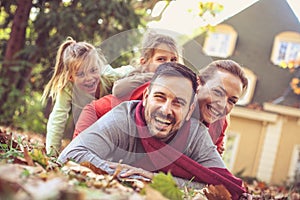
x=27, y=157
x=217, y=192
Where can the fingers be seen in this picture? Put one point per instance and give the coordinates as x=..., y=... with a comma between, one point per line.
x=128, y=170
x=137, y=171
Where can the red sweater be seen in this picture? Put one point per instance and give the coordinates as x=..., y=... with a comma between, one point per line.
x=97, y=108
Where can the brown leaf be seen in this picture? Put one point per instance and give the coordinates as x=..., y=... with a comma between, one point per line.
x=93, y=168
x=28, y=157
x=19, y=160
x=218, y=192
x=261, y=185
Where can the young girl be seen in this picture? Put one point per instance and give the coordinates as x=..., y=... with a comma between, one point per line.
x=80, y=76
x=156, y=49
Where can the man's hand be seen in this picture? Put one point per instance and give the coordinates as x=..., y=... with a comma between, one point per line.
x=127, y=170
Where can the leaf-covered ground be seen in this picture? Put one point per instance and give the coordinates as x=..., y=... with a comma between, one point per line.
x=28, y=173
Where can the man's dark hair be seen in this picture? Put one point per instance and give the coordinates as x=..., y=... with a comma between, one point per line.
x=177, y=70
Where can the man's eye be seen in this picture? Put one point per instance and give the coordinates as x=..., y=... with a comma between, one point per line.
x=179, y=103
x=159, y=97
x=218, y=93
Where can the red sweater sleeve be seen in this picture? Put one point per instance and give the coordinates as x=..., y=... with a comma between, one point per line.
x=93, y=111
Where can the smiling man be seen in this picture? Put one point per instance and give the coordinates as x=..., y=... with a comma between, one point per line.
x=156, y=134
x=166, y=107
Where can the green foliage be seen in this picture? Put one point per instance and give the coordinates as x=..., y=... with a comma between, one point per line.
x=11, y=103
x=8, y=152
x=29, y=115
x=25, y=173
x=167, y=186
x=206, y=11
x=212, y=8
x=49, y=25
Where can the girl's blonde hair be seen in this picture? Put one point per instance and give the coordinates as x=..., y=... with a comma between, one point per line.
x=71, y=55
x=152, y=40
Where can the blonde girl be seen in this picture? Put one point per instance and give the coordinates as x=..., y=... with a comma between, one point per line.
x=80, y=76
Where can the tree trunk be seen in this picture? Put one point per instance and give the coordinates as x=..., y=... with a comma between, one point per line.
x=10, y=74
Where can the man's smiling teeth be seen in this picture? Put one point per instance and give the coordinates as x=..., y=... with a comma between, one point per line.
x=163, y=121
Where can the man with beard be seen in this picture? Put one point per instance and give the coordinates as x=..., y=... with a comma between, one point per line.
x=156, y=134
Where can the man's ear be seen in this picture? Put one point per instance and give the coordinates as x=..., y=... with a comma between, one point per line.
x=198, y=80
x=145, y=95
x=192, y=108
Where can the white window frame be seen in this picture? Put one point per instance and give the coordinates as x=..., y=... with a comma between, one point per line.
x=220, y=42
x=291, y=41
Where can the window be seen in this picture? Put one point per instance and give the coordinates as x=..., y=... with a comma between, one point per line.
x=231, y=146
x=286, y=48
x=221, y=42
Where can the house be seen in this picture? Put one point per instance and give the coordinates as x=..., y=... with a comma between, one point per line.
x=263, y=139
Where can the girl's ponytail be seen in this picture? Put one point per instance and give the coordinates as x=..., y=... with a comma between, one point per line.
x=59, y=78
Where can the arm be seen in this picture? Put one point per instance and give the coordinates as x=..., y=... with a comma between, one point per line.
x=87, y=117
x=108, y=76
x=57, y=121
x=125, y=86
x=114, y=74
x=201, y=147
x=104, y=140
x=93, y=145
x=124, y=70
x=93, y=111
